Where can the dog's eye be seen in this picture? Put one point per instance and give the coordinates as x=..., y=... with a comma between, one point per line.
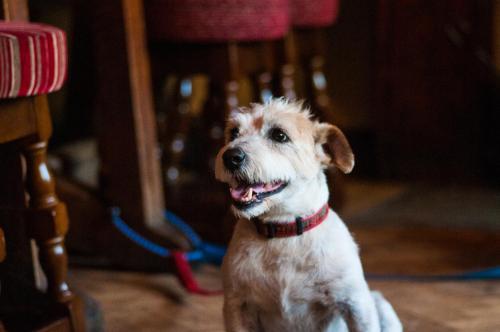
x=234, y=133
x=278, y=135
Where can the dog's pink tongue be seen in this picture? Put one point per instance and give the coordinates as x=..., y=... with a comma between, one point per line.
x=245, y=193
x=238, y=193
x=259, y=187
x=242, y=194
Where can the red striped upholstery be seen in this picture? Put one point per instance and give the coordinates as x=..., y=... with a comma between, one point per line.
x=314, y=13
x=33, y=59
x=216, y=20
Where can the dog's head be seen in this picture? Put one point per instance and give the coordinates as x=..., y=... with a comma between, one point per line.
x=274, y=149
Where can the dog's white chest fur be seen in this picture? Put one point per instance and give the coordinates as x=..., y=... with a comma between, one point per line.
x=296, y=283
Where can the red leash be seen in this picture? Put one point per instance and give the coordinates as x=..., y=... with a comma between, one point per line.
x=186, y=277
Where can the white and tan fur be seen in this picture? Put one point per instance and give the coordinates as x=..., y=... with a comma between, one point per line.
x=312, y=282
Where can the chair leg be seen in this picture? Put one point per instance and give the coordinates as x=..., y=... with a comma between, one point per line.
x=48, y=221
x=2, y=246
x=222, y=87
x=178, y=123
x=264, y=87
x=312, y=53
x=288, y=56
x=231, y=96
x=231, y=86
x=264, y=78
x=319, y=88
x=47, y=225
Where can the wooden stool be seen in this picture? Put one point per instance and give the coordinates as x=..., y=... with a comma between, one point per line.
x=33, y=60
x=226, y=41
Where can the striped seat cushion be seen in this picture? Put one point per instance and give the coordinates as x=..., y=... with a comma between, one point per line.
x=33, y=59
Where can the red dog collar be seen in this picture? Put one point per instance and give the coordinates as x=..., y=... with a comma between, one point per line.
x=274, y=229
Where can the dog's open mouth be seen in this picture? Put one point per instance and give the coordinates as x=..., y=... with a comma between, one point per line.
x=246, y=195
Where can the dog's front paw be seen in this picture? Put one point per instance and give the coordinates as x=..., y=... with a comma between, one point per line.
x=389, y=321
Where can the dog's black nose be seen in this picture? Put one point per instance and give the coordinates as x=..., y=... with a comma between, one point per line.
x=234, y=158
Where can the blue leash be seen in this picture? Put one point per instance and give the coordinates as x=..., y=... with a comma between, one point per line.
x=202, y=252
x=211, y=253
x=485, y=274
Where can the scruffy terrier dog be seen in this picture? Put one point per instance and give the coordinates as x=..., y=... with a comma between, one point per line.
x=292, y=265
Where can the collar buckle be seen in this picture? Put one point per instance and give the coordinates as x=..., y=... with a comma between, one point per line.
x=299, y=226
x=271, y=230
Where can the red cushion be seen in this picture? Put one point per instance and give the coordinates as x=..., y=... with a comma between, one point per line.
x=216, y=20
x=317, y=13
x=33, y=59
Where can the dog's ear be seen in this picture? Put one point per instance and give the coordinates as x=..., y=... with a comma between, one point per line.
x=337, y=144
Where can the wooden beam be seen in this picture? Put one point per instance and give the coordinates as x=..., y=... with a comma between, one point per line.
x=130, y=176
x=14, y=10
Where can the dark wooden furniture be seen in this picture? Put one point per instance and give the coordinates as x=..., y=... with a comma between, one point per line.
x=225, y=65
x=25, y=127
x=304, y=55
x=309, y=46
x=232, y=45
x=2, y=245
x=226, y=41
x=130, y=172
x=31, y=209
x=191, y=138
x=129, y=175
x=305, y=50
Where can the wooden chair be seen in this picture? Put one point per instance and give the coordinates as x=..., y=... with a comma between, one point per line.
x=33, y=61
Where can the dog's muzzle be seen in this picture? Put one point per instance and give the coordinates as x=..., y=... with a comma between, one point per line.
x=234, y=158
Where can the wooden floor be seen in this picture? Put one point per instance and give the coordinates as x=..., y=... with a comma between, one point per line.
x=148, y=302
x=140, y=302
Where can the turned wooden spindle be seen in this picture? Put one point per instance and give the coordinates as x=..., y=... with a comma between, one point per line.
x=212, y=129
x=289, y=62
x=3, y=251
x=48, y=220
x=233, y=74
x=288, y=88
x=264, y=86
x=224, y=87
x=314, y=63
x=319, y=88
x=178, y=123
x=264, y=78
x=231, y=92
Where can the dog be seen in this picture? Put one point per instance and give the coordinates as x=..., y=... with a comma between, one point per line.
x=292, y=264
